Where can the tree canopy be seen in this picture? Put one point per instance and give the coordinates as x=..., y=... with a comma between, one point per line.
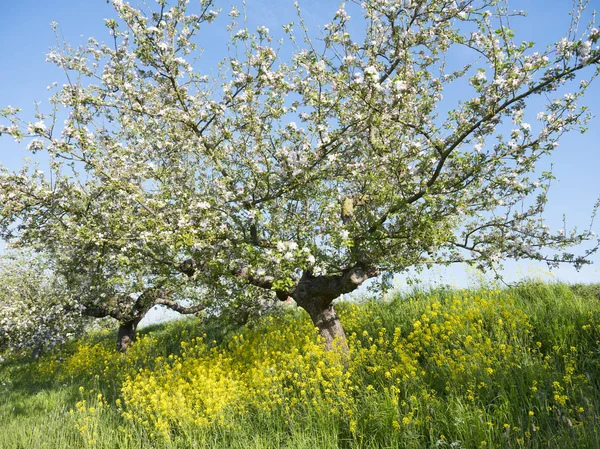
x=300, y=167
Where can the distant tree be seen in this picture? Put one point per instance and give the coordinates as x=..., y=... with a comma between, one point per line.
x=37, y=310
x=299, y=168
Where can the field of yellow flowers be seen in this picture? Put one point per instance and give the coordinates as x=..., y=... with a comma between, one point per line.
x=514, y=368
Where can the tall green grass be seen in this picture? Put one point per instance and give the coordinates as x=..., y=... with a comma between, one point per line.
x=518, y=369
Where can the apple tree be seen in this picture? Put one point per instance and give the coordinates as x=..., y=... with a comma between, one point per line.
x=410, y=133
x=37, y=310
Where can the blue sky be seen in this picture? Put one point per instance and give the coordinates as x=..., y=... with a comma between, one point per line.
x=24, y=77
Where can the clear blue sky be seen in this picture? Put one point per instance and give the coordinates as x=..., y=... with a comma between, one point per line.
x=24, y=77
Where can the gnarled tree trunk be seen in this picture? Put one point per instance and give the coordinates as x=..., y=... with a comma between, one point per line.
x=330, y=327
x=127, y=334
x=316, y=294
x=37, y=351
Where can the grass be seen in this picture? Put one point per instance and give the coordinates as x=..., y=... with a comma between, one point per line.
x=517, y=368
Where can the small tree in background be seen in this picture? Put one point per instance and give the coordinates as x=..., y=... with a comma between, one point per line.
x=37, y=311
x=302, y=168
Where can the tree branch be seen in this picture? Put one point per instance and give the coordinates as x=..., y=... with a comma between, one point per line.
x=178, y=307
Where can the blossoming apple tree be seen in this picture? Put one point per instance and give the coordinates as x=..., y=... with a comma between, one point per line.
x=299, y=167
x=37, y=309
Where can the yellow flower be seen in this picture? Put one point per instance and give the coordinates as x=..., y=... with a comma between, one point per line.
x=352, y=426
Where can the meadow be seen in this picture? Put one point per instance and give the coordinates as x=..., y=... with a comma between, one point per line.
x=479, y=368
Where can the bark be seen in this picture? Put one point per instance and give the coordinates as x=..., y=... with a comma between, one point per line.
x=316, y=294
x=330, y=327
x=127, y=334
x=36, y=352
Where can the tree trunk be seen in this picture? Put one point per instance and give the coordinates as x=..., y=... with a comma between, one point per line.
x=315, y=294
x=127, y=334
x=330, y=328
x=37, y=351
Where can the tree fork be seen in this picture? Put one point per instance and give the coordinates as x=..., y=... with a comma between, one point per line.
x=316, y=294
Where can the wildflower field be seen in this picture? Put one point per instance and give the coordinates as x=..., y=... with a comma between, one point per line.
x=514, y=368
